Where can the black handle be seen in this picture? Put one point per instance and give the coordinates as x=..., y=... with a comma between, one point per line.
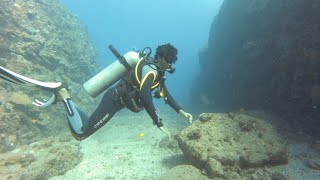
x=122, y=60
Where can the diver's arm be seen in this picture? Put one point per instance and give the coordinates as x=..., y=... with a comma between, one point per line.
x=170, y=100
x=146, y=98
x=175, y=106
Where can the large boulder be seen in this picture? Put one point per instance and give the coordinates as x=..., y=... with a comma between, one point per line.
x=225, y=144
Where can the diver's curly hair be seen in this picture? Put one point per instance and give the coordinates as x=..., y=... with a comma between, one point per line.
x=168, y=52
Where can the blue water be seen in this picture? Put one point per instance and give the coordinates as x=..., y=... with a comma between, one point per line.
x=131, y=24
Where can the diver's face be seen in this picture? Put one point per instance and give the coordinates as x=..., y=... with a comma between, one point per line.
x=164, y=64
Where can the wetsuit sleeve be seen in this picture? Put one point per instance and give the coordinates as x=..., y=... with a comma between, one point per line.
x=171, y=101
x=146, y=97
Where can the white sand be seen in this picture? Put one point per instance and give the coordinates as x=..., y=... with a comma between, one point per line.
x=117, y=151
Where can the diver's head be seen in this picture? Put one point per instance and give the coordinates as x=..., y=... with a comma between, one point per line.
x=166, y=55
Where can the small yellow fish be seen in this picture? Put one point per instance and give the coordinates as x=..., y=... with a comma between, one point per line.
x=141, y=134
x=33, y=121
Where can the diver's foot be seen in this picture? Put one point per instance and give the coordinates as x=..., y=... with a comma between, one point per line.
x=64, y=94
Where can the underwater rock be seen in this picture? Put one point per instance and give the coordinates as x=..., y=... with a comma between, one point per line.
x=214, y=168
x=193, y=135
x=20, y=98
x=42, y=40
x=168, y=144
x=279, y=176
x=270, y=62
x=240, y=142
x=40, y=160
x=314, y=164
x=315, y=144
x=204, y=117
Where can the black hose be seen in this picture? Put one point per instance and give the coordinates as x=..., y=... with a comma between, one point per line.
x=122, y=60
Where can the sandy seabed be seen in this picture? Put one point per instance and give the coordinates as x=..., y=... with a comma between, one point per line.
x=118, y=151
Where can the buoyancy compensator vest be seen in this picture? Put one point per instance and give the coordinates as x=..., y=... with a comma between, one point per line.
x=129, y=86
x=128, y=69
x=159, y=80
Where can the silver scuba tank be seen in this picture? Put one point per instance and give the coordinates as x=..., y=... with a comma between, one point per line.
x=111, y=74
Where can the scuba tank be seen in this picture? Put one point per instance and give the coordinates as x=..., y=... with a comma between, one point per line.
x=114, y=72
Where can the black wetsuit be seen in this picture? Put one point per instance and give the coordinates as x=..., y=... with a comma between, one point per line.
x=135, y=97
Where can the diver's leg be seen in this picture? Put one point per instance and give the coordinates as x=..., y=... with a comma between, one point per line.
x=108, y=106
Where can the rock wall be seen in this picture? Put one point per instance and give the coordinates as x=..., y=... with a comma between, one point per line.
x=264, y=55
x=42, y=40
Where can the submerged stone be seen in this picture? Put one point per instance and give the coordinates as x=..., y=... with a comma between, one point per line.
x=240, y=142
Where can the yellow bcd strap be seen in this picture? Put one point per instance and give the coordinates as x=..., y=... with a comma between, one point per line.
x=155, y=84
x=162, y=92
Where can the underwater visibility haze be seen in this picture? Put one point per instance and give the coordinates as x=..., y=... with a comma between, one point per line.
x=138, y=24
x=224, y=90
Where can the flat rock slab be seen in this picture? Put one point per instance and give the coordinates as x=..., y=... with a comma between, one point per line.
x=226, y=143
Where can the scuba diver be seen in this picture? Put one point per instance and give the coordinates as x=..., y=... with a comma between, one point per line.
x=140, y=75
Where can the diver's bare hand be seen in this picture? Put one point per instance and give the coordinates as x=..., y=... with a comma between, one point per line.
x=186, y=115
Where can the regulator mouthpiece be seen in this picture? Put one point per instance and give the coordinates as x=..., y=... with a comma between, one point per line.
x=171, y=69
